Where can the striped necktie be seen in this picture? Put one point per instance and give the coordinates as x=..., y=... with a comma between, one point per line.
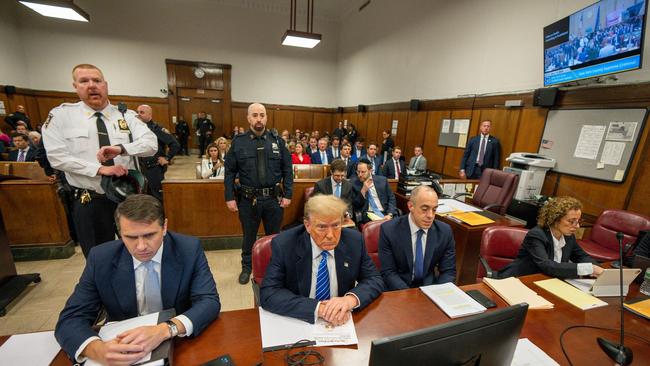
x=323, y=279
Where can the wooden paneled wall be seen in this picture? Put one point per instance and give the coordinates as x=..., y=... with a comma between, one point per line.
x=288, y=117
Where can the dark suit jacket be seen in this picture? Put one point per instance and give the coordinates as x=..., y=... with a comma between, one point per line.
x=287, y=282
x=30, y=156
x=108, y=280
x=315, y=157
x=386, y=195
x=348, y=192
x=396, y=254
x=536, y=255
x=331, y=150
x=389, y=168
x=491, y=159
x=354, y=152
x=377, y=161
x=351, y=167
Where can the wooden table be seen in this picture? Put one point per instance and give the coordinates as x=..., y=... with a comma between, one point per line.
x=468, y=240
x=396, y=312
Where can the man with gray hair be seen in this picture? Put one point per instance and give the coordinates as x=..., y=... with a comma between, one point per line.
x=319, y=269
x=413, y=263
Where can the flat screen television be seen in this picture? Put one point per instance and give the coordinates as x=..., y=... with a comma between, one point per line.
x=603, y=38
x=486, y=339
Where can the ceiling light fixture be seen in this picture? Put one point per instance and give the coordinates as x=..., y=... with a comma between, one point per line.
x=62, y=9
x=293, y=37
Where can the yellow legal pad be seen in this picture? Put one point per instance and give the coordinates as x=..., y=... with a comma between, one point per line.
x=570, y=294
x=471, y=218
x=641, y=307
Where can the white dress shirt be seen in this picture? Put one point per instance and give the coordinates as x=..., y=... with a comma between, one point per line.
x=70, y=138
x=140, y=274
x=484, y=140
x=414, y=237
x=584, y=269
x=206, y=170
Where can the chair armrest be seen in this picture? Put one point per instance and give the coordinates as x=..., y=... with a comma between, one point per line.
x=489, y=273
x=460, y=195
x=493, y=205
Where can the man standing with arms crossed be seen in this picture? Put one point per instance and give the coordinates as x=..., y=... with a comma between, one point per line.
x=90, y=139
x=263, y=163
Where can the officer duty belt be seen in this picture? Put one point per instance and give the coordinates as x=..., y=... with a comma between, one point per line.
x=257, y=193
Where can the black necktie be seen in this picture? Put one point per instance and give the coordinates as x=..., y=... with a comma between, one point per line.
x=102, y=134
x=261, y=161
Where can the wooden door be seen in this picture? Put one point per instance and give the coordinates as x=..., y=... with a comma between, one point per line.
x=189, y=108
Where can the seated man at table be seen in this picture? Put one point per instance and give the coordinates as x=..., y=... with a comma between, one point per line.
x=149, y=270
x=319, y=269
x=337, y=185
x=412, y=263
x=378, y=198
x=551, y=247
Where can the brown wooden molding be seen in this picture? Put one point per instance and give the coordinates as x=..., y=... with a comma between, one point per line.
x=197, y=63
x=283, y=107
x=71, y=95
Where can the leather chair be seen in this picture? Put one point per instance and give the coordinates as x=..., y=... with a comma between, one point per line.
x=602, y=244
x=499, y=247
x=371, y=239
x=261, y=256
x=495, y=190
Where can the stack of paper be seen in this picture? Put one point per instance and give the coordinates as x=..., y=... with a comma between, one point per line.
x=528, y=354
x=639, y=307
x=456, y=205
x=452, y=300
x=471, y=218
x=513, y=291
x=570, y=294
x=19, y=349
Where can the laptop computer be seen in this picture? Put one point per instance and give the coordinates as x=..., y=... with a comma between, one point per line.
x=607, y=284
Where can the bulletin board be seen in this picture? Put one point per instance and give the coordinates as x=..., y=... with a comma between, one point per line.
x=593, y=143
x=453, y=132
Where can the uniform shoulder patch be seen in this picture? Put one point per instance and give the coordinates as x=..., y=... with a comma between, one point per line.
x=48, y=120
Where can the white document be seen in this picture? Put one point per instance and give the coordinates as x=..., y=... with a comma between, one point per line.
x=621, y=131
x=461, y=126
x=457, y=205
x=452, y=300
x=34, y=349
x=591, y=136
x=448, y=189
x=3, y=111
x=111, y=330
x=528, y=354
x=612, y=153
x=445, y=125
x=582, y=284
x=279, y=331
x=461, y=188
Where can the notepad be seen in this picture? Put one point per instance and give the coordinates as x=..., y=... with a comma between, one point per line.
x=452, y=300
x=513, y=291
x=639, y=307
x=471, y=218
x=570, y=294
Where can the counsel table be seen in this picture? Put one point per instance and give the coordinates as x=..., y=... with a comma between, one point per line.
x=237, y=332
x=468, y=240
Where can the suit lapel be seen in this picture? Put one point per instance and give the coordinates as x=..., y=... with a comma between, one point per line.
x=328, y=186
x=432, y=239
x=342, y=261
x=123, y=283
x=171, y=272
x=303, y=264
x=408, y=247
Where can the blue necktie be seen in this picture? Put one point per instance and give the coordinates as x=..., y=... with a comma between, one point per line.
x=323, y=279
x=373, y=206
x=152, y=298
x=419, y=257
x=337, y=191
x=323, y=158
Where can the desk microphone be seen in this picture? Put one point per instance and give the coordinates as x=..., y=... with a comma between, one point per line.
x=618, y=352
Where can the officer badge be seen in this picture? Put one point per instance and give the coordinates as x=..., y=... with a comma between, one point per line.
x=48, y=120
x=275, y=148
x=124, y=127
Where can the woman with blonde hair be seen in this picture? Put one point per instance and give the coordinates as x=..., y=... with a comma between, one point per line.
x=223, y=146
x=551, y=247
x=212, y=166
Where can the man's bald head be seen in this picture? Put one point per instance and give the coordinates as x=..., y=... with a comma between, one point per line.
x=257, y=118
x=145, y=113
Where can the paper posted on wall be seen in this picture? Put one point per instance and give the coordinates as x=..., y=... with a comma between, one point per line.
x=621, y=131
x=612, y=153
x=591, y=136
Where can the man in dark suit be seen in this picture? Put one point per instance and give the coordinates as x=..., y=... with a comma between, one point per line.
x=23, y=152
x=482, y=152
x=149, y=270
x=412, y=262
x=394, y=167
x=378, y=198
x=319, y=270
x=323, y=155
x=337, y=185
x=358, y=150
x=335, y=149
x=375, y=160
x=349, y=160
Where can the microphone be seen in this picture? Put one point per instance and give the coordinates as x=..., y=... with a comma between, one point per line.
x=121, y=106
x=618, y=352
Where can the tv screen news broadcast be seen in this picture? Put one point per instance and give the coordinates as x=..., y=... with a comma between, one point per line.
x=603, y=38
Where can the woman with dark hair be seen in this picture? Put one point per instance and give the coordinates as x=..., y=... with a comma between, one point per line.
x=212, y=166
x=551, y=246
x=299, y=155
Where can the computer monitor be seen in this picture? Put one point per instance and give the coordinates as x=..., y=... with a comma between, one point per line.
x=485, y=339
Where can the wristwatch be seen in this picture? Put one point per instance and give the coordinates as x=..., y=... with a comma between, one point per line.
x=173, y=329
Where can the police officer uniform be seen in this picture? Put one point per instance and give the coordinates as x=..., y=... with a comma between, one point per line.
x=205, y=127
x=155, y=172
x=71, y=135
x=183, y=133
x=263, y=164
x=13, y=118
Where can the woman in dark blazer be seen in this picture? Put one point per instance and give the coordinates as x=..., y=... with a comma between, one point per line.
x=551, y=248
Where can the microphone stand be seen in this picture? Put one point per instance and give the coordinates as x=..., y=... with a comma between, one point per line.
x=618, y=352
